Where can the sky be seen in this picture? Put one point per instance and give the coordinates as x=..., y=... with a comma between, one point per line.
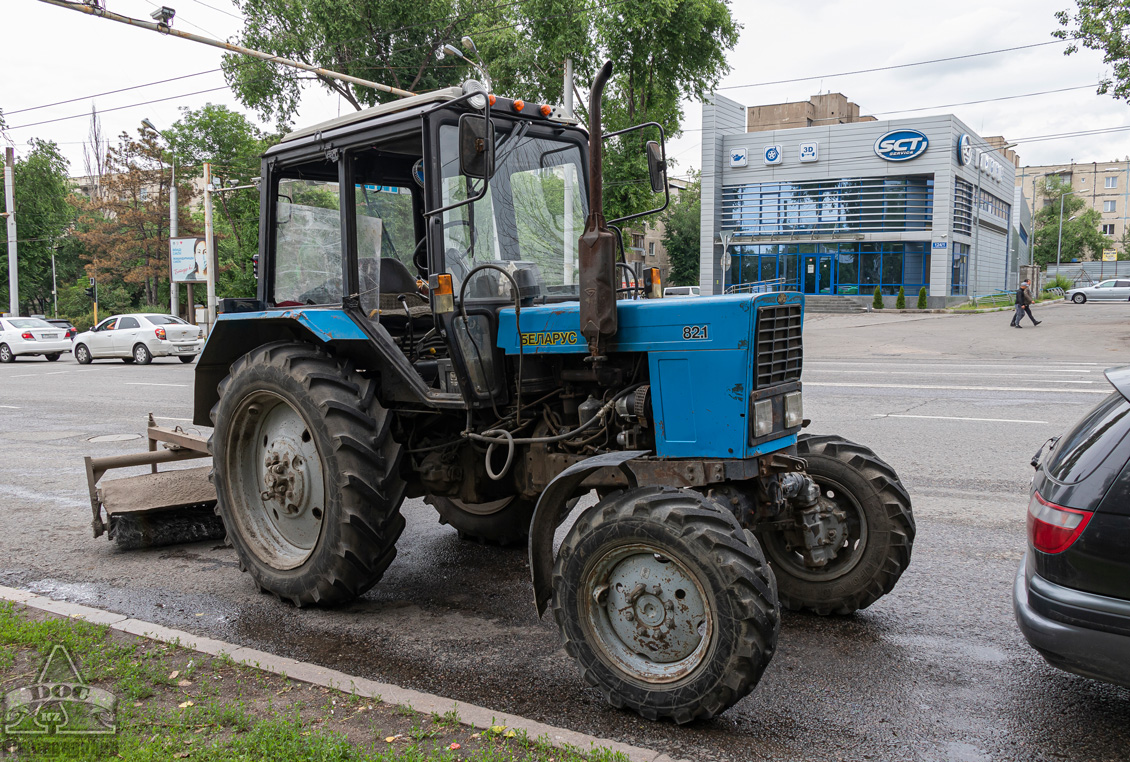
x=51, y=54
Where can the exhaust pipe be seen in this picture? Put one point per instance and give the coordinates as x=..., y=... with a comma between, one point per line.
x=596, y=249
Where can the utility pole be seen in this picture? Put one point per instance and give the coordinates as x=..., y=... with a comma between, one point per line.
x=10, y=213
x=209, y=244
x=54, y=282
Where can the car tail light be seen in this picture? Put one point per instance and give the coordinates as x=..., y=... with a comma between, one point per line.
x=160, y=333
x=1053, y=528
x=27, y=335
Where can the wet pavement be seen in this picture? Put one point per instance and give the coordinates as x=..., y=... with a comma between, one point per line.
x=935, y=670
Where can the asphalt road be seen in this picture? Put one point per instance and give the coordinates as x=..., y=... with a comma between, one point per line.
x=934, y=671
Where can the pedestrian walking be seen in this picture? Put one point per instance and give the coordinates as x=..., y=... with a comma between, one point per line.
x=1023, y=300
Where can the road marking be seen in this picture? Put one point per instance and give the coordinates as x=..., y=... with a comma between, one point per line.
x=10, y=407
x=1069, y=369
x=955, y=418
x=167, y=418
x=52, y=373
x=142, y=383
x=962, y=388
x=976, y=375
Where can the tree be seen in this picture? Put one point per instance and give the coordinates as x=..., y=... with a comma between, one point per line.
x=877, y=299
x=922, y=303
x=1124, y=245
x=1102, y=25
x=41, y=190
x=1081, y=234
x=233, y=145
x=662, y=51
x=125, y=231
x=900, y=300
x=682, y=223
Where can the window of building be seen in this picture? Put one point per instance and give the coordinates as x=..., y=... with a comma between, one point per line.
x=651, y=248
x=1110, y=181
x=993, y=205
x=1023, y=234
x=637, y=242
x=1108, y=229
x=962, y=207
x=858, y=267
x=144, y=194
x=959, y=270
x=872, y=204
x=1108, y=206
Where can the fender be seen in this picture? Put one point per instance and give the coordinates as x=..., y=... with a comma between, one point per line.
x=552, y=504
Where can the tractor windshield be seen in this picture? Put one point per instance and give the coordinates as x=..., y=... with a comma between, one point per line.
x=531, y=217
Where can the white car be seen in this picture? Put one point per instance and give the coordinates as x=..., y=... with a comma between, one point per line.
x=1106, y=291
x=139, y=338
x=31, y=336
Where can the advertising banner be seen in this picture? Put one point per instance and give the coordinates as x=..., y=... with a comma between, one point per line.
x=189, y=260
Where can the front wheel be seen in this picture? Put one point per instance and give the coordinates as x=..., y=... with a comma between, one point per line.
x=82, y=354
x=876, y=531
x=53, y=356
x=6, y=354
x=142, y=355
x=499, y=522
x=666, y=603
x=1079, y=298
x=306, y=474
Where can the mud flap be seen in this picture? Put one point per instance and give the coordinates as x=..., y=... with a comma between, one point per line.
x=547, y=515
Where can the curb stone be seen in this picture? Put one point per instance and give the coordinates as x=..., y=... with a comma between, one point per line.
x=469, y=714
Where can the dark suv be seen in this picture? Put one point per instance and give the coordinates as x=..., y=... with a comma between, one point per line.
x=1072, y=593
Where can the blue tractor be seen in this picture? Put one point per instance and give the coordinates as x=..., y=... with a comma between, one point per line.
x=443, y=312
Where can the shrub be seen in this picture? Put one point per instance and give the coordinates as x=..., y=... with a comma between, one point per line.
x=877, y=299
x=900, y=301
x=922, y=298
x=1059, y=281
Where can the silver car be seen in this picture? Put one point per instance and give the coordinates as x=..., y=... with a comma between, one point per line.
x=139, y=338
x=31, y=336
x=1106, y=291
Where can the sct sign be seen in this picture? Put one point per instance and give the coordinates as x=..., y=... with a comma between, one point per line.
x=773, y=154
x=901, y=145
x=739, y=157
x=188, y=258
x=809, y=152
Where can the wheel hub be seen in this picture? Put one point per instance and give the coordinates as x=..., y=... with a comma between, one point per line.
x=284, y=475
x=651, y=614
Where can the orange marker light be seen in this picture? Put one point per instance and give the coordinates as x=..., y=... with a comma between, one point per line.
x=443, y=298
x=546, y=110
x=519, y=105
x=492, y=100
x=443, y=285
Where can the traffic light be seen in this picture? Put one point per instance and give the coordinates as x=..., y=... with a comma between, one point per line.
x=90, y=292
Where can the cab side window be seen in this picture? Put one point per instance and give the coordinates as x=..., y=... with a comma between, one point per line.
x=108, y=324
x=128, y=322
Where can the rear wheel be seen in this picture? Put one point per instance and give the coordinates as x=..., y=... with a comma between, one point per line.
x=142, y=355
x=186, y=359
x=666, y=603
x=876, y=538
x=306, y=474
x=1079, y=298
x=82, y=354
x=53, y=356
x=6, y=354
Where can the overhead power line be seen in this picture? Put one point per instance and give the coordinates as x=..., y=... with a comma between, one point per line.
x=894, y=66
x=111, y=92
x=85, y=115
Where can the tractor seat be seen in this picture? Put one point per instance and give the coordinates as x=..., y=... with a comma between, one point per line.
x=395, y=281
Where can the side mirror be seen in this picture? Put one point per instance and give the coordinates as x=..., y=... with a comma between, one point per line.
x=476, y=147
x=656, y=166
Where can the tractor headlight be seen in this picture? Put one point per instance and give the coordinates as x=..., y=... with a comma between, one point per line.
x=479, y=99
x=763, y=418
x=794, y=413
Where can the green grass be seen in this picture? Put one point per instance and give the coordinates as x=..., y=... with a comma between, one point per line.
x=176, y=704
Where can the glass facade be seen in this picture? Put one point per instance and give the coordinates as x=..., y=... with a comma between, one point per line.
x=855, y=205
x=959, y=277
x=855, y=267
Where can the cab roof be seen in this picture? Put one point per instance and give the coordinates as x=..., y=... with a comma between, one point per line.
x=392, y=107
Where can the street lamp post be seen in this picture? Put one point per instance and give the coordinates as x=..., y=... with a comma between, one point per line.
x=174, y=296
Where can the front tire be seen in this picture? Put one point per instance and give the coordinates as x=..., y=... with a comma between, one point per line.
x=666, y=603
x=6, y=354
x=879, y=535
x=142, y=355
x=499, y=522
x=1079, y=298
x=306, y=474
x=82, y=354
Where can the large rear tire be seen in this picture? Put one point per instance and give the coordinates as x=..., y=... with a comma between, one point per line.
x=500, y=522
x=306, y=474
x=666, y=603
x=879, y=537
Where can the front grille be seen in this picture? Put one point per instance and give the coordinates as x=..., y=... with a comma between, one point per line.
x=778, y=353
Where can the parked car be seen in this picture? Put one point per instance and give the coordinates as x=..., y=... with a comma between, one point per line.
x=65, y=324
x=31, y=336
x=682, y=291
x=1072, y=592
x=1114, y=290
x=139, y=338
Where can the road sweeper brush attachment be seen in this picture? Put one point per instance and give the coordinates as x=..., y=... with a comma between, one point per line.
x=158, y=508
